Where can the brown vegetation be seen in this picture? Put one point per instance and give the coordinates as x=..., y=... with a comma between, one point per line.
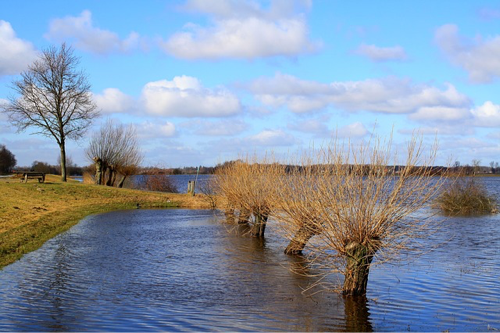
x=250, y=188
x=114, y=151
x=465, y=195
x=346, y=197
x=34, y=212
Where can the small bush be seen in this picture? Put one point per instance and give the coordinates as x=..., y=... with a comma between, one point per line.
x=466, y=196
x=159, y=182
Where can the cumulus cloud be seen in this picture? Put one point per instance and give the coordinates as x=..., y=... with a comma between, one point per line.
x=221, y=128
x=486, y=115
x=313, y=126
x=470, y=143
x=84, y=36
x=442, y=128
x=457, y=121
x=380, y=54
x=441, y=113
x=479, y=57
x=185, y=96
x=112, y=100
x=389, y=95
x=16, y=53
x=355, y=130
x=3, y=102
x=271, y=138
x=149, y=130
x=242, y=29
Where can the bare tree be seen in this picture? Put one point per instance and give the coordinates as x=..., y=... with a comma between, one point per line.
x=358, y=206
x=250, y=187
x=476, y=166
x=114, y=150
x=54, y=98
x=209, y=190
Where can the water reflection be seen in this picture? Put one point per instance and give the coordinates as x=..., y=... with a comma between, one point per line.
x=357, y=316
x=181, y=270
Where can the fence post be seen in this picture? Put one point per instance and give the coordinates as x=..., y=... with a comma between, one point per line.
x=191, y=187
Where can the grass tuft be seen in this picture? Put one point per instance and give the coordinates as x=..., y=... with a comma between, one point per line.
x=466, y=196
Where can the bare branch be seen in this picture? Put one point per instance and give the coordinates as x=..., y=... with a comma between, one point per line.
x=53, y=98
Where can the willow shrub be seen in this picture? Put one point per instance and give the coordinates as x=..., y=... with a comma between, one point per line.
x=466, y=196
x=248, y=186
x=358, y=206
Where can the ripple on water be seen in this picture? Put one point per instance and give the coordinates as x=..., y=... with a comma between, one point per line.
x=179, y=270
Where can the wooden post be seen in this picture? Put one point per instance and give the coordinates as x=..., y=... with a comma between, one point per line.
x=191, y=187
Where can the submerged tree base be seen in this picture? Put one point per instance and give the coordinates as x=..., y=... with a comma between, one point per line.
x=299, y=241
x=359, y=258
x=259, y=227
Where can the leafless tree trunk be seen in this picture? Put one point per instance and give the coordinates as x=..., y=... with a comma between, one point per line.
x=358, y=209
x=115, y=147
x=251, y=187
x=54, y=98
x=98, y=170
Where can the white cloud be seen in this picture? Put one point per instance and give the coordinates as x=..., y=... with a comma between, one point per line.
x=313, y=126
x=441, y=129
x=450, y=120
x=380, y=54
x=149, y=130
x=466, y=143
x=112, y=100
x=3, y=116
x=389, y=95
x=354, y=130
x=271, y=138
x=221, y=128
x=185, y=96
x=16, y=54
x=268, y=138
x=487, y=115
x=242, y=30
x=81, y=32
x=441, y=113
x=480, y=58
x=242, y=8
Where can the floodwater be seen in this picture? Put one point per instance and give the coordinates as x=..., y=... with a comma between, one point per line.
x=181, y=270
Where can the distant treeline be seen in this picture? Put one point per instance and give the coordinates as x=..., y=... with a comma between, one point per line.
x=75, y=170
x=71, y=168
x=397, y=169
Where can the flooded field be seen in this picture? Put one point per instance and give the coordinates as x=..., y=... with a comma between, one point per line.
x=181, y=270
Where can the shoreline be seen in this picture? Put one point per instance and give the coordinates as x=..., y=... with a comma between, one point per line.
x=32, y=213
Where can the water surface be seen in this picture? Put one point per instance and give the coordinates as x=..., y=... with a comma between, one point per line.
x=181, y=270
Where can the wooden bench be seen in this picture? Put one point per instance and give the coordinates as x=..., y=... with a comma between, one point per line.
x=33, y=175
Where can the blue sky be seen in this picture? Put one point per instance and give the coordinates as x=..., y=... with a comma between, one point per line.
x=207, y=81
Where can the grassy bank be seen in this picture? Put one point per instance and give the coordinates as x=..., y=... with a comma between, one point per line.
x=31, y=213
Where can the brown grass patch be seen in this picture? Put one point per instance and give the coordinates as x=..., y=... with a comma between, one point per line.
x=31, y=213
